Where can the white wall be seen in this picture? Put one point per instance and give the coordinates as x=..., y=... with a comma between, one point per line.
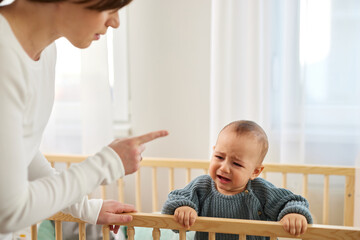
x=169, y=52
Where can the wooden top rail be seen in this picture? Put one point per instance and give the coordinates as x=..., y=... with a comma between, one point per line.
x=232, y=226
x=204, y=164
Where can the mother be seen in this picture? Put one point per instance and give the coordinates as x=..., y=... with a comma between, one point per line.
x=30, y=190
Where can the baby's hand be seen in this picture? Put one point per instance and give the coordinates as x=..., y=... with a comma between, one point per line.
x=294, y=223
x=186, y=216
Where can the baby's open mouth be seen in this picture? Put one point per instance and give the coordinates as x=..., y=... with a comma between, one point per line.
x=223, y=179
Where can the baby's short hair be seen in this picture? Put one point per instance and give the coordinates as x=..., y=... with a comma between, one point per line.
x=242, y=127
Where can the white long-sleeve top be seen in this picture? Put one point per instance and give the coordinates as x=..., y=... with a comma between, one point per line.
x=30, y=190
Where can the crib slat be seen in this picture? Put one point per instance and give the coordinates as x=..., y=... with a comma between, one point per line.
x=284, y=180
x=171, y=179
x=120, y=185
x=34, y=232
x=82, y=231
x=242, y=236
x=138, y=192
x=212, y=236
x=349, y=201
x=131, y=233
x=52, y=164
x=156, y=234
x=305, y=185
x=326, y=200
x=106, y=232
x=68, y=164
x=188, y=175
x=58, y=230
x=182, y=235
x=273, y=238
x=154, y=190
x=264, y=175
x=206, y=171
x=103, y=191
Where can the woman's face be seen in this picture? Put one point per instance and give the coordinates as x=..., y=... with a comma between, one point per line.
x=80, y=25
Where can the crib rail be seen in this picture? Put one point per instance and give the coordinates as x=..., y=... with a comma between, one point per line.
x=189, y=164
x=218, y=225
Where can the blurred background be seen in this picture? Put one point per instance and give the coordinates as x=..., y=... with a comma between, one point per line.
x=191, y=67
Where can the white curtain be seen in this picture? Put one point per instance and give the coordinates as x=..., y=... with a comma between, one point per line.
x=291, y=66
x=91, y=100
x=81, y=121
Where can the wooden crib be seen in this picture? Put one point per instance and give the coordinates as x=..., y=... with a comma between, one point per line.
x=220, y=225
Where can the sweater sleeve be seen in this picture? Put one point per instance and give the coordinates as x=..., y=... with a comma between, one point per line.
x=277, y=202
x=192, y=195
x=86, y=210
x=22, y=201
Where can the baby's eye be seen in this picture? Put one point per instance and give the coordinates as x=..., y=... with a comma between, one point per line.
x=219, y=157
x=237, y=164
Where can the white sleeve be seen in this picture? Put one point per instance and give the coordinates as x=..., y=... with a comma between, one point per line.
x=86, y=210
x=24, y=202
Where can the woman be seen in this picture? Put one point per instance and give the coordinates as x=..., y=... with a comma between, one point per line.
x=29, y=188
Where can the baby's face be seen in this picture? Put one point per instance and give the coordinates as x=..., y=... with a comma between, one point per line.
x=235, y=160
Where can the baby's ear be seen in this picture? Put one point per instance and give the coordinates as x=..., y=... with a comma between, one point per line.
x=257, y=171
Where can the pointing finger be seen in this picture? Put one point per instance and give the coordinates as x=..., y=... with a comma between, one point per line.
x=151, y=136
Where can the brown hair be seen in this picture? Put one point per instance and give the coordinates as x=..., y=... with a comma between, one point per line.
x=98, y=5
x=249, y=127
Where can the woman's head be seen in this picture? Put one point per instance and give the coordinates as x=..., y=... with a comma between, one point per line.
x=98, y=5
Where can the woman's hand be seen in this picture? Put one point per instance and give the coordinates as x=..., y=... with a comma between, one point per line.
x=130, y=149
x=110, y=212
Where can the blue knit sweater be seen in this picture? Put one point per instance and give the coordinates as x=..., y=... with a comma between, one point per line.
x=260, y=201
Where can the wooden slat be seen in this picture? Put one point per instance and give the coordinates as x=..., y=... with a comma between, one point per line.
x=264, y=175
x=68, y=164
x=326, y=200
x=171, y=179
x=131, y=233
x=174, y=163
x=34, y=232
x=154, y=190
x=120, y=186
x=212, y=236
x=58, y=230
x=65, y=158
x=138, y=191
x=82, y=231
x=103, y=191
x=106, y=232
x=242, y=236
x=188, y=175
x=284, y=180
x=305, y=185
x=156, y=234
x=349, y=201
x=182, y=234
x=310, y=169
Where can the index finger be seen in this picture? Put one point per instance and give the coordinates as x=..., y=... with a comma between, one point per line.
x=151, y=136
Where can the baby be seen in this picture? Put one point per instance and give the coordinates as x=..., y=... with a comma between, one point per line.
x=233, y=190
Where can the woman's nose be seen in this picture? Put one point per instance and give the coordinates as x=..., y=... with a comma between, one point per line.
x=114, y=20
